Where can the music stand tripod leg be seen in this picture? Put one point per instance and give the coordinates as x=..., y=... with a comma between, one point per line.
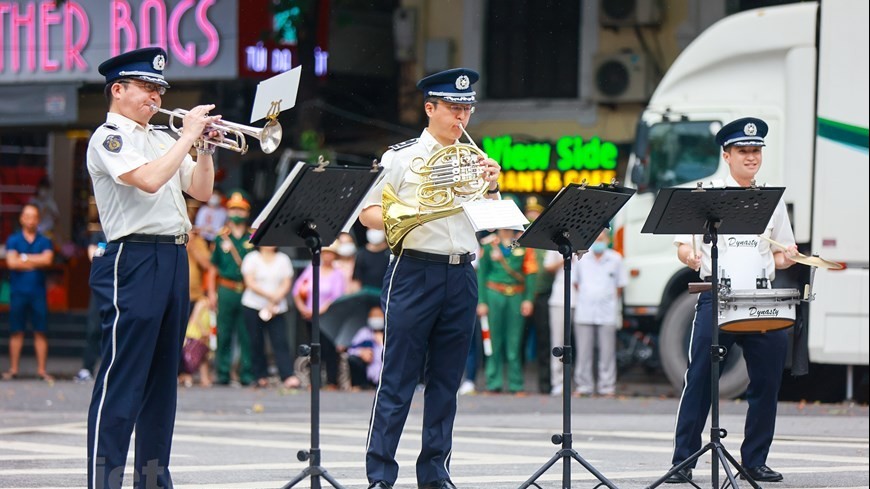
x=717, y=354
x=314, y=470
x=566, y=353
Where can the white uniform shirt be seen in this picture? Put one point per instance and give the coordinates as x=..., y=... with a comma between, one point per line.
x=268, y=276
x=120, y=146
x=597, y=300
x=778, y=229
x=557, y=292
x=448, y=235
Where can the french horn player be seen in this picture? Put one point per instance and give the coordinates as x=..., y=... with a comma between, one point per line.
x=429, y=291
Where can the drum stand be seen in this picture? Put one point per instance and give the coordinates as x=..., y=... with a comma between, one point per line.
x=675, y=211
x=572, y=222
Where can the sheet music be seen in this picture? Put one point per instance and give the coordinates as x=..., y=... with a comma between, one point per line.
x=274, y=200
x=495, y=214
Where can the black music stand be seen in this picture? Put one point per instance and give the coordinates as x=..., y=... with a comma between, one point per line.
x=572, y=222
x=311, y=207
x=708, y=212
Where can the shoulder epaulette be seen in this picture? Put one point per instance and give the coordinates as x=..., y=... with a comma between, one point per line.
x=159, y=127
x=111, y=126
x=403, y=144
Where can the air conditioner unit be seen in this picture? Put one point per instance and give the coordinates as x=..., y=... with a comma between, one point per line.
x=627, y=13
x=622, y=77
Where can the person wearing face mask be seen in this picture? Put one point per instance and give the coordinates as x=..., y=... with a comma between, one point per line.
x=371, y=263
x=346, y=257
x=211, y=218
x=598, y=281
x=364, y=353
x=140, y=279
x=225, y=289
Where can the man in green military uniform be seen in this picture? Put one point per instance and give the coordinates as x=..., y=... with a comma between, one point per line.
x=506, y=278
x=225, y=290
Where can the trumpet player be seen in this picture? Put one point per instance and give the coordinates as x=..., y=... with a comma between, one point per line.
x=429, y=294
x=140, y=278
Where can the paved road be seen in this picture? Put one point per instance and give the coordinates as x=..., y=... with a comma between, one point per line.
x=241, y=438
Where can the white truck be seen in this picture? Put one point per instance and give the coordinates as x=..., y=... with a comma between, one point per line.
x=803, y=68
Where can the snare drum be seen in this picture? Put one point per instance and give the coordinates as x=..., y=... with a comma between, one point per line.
x=757, y=310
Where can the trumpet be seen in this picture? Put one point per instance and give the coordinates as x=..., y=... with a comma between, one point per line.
x=269, y=136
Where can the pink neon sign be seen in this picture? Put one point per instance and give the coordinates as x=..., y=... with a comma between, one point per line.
x=155, y=17
x=40, y=37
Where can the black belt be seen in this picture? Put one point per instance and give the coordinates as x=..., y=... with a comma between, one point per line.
x=449, y=259
x=178, y=239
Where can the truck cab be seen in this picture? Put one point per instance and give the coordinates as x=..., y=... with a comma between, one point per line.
x=760, y=63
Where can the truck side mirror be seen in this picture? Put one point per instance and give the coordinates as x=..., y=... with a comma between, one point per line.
x=639, y=177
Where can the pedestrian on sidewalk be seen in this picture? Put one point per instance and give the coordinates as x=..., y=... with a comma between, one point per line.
x=28, y=254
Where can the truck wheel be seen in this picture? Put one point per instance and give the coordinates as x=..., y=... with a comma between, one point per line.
x=674, y=347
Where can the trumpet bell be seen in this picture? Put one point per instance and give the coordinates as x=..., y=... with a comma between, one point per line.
x=270, y=136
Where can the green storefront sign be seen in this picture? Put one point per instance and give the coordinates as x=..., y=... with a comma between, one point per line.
x=547, y=167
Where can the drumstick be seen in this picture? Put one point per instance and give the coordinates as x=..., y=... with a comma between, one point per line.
x=774, y=243
x=813, y=261
x=780, y=245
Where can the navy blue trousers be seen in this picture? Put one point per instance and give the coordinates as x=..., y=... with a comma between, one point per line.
x=143, y=296
x=430, y=310
x=765, y=361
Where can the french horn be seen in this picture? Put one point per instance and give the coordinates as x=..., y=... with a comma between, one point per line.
x=452, y=171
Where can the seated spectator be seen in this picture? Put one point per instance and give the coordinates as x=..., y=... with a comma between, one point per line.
x=211, y=217
x=333, y=284
x=196, y=346
x=364, y=353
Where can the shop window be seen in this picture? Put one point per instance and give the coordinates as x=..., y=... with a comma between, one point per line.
x=23, y=163
x=532, y=49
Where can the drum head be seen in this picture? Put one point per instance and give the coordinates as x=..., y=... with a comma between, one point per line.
x=756, y=325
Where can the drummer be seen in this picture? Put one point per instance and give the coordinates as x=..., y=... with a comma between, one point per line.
x=765, y=353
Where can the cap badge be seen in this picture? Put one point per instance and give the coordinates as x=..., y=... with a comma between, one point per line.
x=462, y=83
x=749, y=129
x=159, y=62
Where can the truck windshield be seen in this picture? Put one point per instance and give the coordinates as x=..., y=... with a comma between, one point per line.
x=678, y=152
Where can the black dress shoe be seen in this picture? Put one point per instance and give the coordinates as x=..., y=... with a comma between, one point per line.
x=380, y=485
x=680, y=477
x=442, y=484
x=762, y=473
